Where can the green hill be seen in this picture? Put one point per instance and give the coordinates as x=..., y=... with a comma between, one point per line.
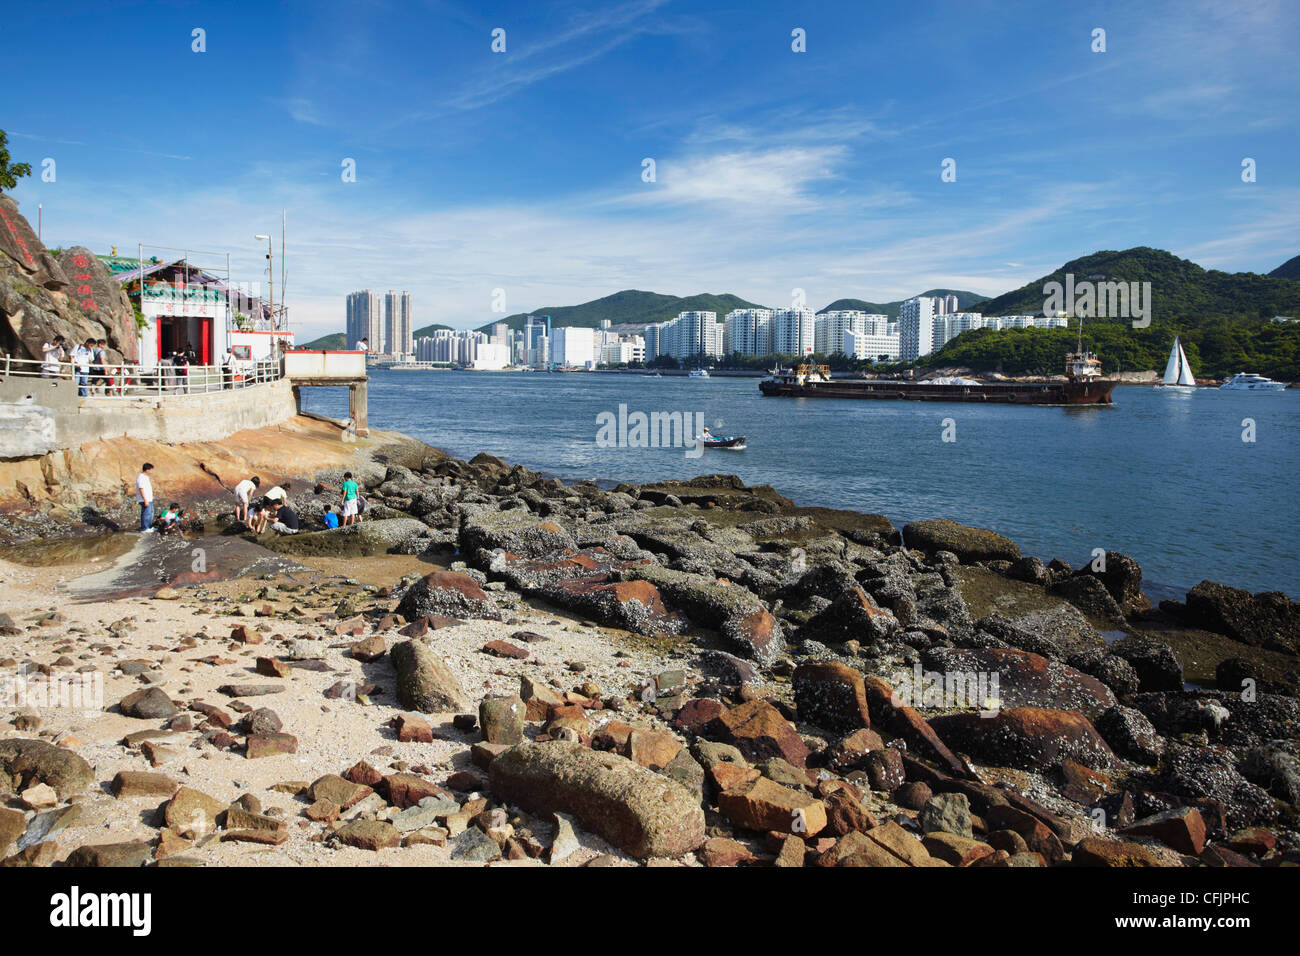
x=966, y=302
x=1181, y=291
x=338, y=340
x=630, y=307
x=331, y=343
x=1217, y=349
x=1288, y=270
x=428, y=330
x=1221, y=317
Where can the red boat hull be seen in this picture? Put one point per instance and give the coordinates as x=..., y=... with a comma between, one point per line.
x=1044, y=393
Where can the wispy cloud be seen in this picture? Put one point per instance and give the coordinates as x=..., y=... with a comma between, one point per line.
x=589, y=36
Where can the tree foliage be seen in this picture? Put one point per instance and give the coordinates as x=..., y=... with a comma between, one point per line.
x=1215, y=349
x=10, y=173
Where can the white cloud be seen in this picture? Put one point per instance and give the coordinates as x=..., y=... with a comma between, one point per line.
x=763, y=180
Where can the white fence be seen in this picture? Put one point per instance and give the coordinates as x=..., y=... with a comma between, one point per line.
x=128, y=381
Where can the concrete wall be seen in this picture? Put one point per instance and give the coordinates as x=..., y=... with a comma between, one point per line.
x=317, y=363
x=174, y=419
x=58, y=394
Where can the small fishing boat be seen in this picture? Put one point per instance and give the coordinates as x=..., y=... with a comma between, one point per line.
x=736, y=443
x=1178, y=374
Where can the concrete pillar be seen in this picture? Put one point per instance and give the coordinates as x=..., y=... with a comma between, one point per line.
x=357, y=408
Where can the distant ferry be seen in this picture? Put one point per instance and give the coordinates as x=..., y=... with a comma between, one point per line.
x=699, y=373
x=1251, y=382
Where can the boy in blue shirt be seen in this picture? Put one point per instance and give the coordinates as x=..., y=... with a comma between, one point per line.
x=331, y=519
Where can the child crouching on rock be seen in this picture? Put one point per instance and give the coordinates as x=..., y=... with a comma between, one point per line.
x=258, y=517
x=169, y=522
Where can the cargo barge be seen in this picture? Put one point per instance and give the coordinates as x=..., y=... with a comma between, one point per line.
x=1083, y=386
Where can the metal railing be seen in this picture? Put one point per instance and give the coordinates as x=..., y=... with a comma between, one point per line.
x=130, y=381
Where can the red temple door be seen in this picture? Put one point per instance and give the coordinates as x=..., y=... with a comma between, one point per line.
x=205, y=340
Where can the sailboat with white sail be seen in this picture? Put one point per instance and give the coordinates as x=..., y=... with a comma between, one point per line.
x=1178, y=374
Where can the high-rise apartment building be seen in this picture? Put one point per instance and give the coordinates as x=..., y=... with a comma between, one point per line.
x=831, y=328
x=365, y=320
x=537, y=333
x=916, y=327
x=747, y=332
x=397, y=324
x=793, y=331
x=573, y=346
x=689, y=337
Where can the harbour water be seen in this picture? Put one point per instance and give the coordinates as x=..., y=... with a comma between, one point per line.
x=1164, y=477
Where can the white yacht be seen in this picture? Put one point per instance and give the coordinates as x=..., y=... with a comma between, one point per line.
x=1178, y=374
x=1251, y=382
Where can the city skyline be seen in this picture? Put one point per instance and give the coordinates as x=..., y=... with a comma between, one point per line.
x=823, y=172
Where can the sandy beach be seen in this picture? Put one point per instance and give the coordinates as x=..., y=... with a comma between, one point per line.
x=98, y=637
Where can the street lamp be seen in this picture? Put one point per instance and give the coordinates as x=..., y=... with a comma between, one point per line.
x=270, y=252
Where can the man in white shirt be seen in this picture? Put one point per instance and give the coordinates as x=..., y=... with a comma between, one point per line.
x=279, y=493
x=144, y=496
x=82, y=356
x=53, y=355
x=243, y=494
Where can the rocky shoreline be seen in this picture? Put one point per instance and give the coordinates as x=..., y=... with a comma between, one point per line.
x=696, y=672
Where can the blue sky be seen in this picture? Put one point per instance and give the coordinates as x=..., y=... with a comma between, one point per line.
x=775, y=170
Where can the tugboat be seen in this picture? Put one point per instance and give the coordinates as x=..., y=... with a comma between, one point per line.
x=1084, y=386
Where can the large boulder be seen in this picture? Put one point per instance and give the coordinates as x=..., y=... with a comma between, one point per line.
x=851, y=616
x=1130, y=734
x=1025, y=680
x=831, y=695
x=892, y=708
x=40, y=299
x=1029, y=738
x=1268, y=619
x=767, y=806
x=1201, y=773
x=637, y=810
x=740, y=615
x=424, y=682
x=1122, y=577
x=759, y=731
x=101, y=299
x=368, y=538
x=1154, y=662
x=633, y=605
x=25, y=763
x=518, y=532
x=449, y=593
x=969, y=544
x=1090, y=596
